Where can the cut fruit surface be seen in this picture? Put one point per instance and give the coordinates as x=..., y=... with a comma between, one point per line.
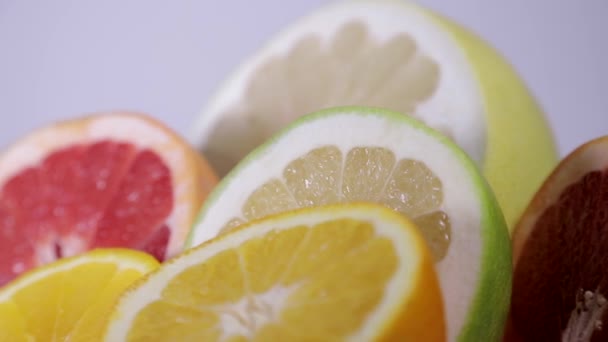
x=105, y=180
x=388, y=54
x=358, y=272
x=69, y=299
x=560, y=253
x=359, y=154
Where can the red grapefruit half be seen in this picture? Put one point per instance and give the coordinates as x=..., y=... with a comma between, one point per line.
x=105, y=180
x=560, y=251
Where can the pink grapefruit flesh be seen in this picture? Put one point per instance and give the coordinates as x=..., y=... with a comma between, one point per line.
x=101, y=193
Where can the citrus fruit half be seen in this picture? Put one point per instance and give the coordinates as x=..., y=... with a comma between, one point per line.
x=560, y=253
x=69, y=299
x=317, y=274
x=353, y=154
x=104, y=180
x=389, y=54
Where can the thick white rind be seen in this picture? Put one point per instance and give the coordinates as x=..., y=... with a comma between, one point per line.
x=458, y=271
x=456, y=106
x=397, y=290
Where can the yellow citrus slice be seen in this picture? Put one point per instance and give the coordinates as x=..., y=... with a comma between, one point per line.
x=69, y=299
x=389, y=54
x=359, y=271
x=353, y=154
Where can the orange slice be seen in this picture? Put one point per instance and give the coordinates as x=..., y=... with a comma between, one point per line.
x=69, y=299
x=356, y=271
x=105, y=180
x=353, y=154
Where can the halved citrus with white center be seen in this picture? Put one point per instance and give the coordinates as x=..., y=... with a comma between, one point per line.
x=358, y=272
x=361, y=154
x=560, y=252
x=390, y=54
x=69, y=299
x=104, y=180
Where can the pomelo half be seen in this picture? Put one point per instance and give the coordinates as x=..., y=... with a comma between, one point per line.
x=357, y=154
x=390, y=54
x=104, y=180
x=560, y=251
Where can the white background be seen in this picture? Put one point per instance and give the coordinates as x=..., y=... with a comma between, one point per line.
x=62, y=58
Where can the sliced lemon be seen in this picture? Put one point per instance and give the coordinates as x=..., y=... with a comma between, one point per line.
x=358, y=272
x=390, y=54
x=69, y=299
x=360, y=154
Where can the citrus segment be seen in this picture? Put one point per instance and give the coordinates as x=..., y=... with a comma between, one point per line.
x=356, y=154
x=90, y=325
x=325, y=176
x=72, y=297
x=12, y=324
x=87, y=183
x=562, y=239
x=330, y=273
x=388, y=54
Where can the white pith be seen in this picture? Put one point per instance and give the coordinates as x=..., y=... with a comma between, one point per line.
x=586, y=317
x=398, y=288
x=269, y=306
x=32, y=149
x=458, y=271
x=456, y=107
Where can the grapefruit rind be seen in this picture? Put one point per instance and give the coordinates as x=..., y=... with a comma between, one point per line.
x=487, y=288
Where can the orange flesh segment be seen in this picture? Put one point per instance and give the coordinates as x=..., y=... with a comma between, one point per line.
x=281, y=285
x=71, y=303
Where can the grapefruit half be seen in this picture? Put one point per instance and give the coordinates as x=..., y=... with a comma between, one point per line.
x=560, y=284
x=104, y=180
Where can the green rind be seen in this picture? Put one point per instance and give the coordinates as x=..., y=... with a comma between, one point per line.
x=521, y=149
x=488, y=312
